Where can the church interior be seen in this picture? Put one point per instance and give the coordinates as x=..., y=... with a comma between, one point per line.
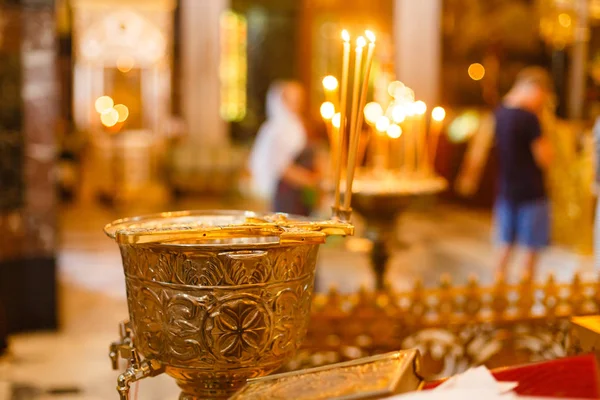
x=299, y=199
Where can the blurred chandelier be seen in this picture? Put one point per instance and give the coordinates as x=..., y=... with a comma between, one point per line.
x=559, y=25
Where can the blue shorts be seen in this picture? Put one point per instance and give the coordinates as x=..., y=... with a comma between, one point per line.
x=527, y=224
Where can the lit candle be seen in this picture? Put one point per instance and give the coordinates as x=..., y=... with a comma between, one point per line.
x=327, y=113
x=343, y=106
x=382, y=125
x=438, y=114
x=420, y=135
x=355, y=116
x=372, y=111
x=330, y=85
x=408, y=141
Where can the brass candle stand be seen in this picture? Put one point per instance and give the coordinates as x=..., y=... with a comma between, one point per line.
x=381, y=200
x=399, y=168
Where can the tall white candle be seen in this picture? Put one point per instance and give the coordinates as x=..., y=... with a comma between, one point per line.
x=438, y=114
x=358, y=127
x=353, y=142
x=343, y=105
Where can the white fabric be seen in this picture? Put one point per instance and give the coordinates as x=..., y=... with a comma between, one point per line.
x=279, y=141
x=474, y=384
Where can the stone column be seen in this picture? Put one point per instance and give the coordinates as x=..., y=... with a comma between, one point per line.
x=418, y=39
x=579, y=57
x=29, y=95
x=200, y=84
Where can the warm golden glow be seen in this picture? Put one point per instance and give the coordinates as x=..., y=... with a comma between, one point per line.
x=330, y=83
x=420, y=107
x=335, y=121
x=327, y=110
x=345, y=36
x=370, y=35
x=103, y=104
x=564, y=20
x=382, y=123
x=123, y=112
x=360, y=42
x=394, y=131
x=476, y=71
x=125, y=63
x=372, y=112
x=109, y=118
x=398, y=114
x=438, y=114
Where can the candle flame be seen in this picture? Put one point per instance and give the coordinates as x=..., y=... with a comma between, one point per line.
x=370, y=35
x=330, y=83
x=361, y=42
x=372, y=112
x=335, y=121
x=420, y=107
x=398, y=114
x=395, y=88
x=394, y=131
x=438, y=114
x=345, y=36
x=382, y=123
x=104, y=104
x=327, y=110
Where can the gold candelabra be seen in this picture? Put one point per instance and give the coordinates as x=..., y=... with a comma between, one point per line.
x=402, y=147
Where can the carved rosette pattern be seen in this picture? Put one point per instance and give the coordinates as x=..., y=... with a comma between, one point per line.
x=219, y=310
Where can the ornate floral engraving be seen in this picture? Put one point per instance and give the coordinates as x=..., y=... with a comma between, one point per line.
x=231, y=268
x=239, y=329
x=198, y=311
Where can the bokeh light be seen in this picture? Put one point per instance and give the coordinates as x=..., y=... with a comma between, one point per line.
x=335, y=121
x=372, y=112
x=410, y=109
x=327, y=110
x=382, y=123
x=394, y=88
x=394, y=131
x=564, y=20
x=104, y=104
x=476, y=71
x=438, y=114
x=110, y=117
x=330, y=83
x=125, y=63
x=420, y=107
x=398, y=114
x=463, y=127
x=123, y=112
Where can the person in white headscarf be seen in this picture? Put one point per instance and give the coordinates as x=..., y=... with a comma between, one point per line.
x=282, y=162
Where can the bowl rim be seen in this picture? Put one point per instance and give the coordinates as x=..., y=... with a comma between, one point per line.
x=283, y=228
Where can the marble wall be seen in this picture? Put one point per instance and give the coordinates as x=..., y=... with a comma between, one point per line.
x=29, y=104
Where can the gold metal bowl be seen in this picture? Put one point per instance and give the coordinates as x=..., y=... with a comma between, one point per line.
x=215, y=297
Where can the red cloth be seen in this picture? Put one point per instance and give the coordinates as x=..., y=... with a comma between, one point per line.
x=571, y=377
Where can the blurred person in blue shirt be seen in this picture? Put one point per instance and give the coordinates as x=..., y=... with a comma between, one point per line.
x=522, y=214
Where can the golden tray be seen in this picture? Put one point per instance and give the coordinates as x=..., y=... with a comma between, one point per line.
x=375, y=377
